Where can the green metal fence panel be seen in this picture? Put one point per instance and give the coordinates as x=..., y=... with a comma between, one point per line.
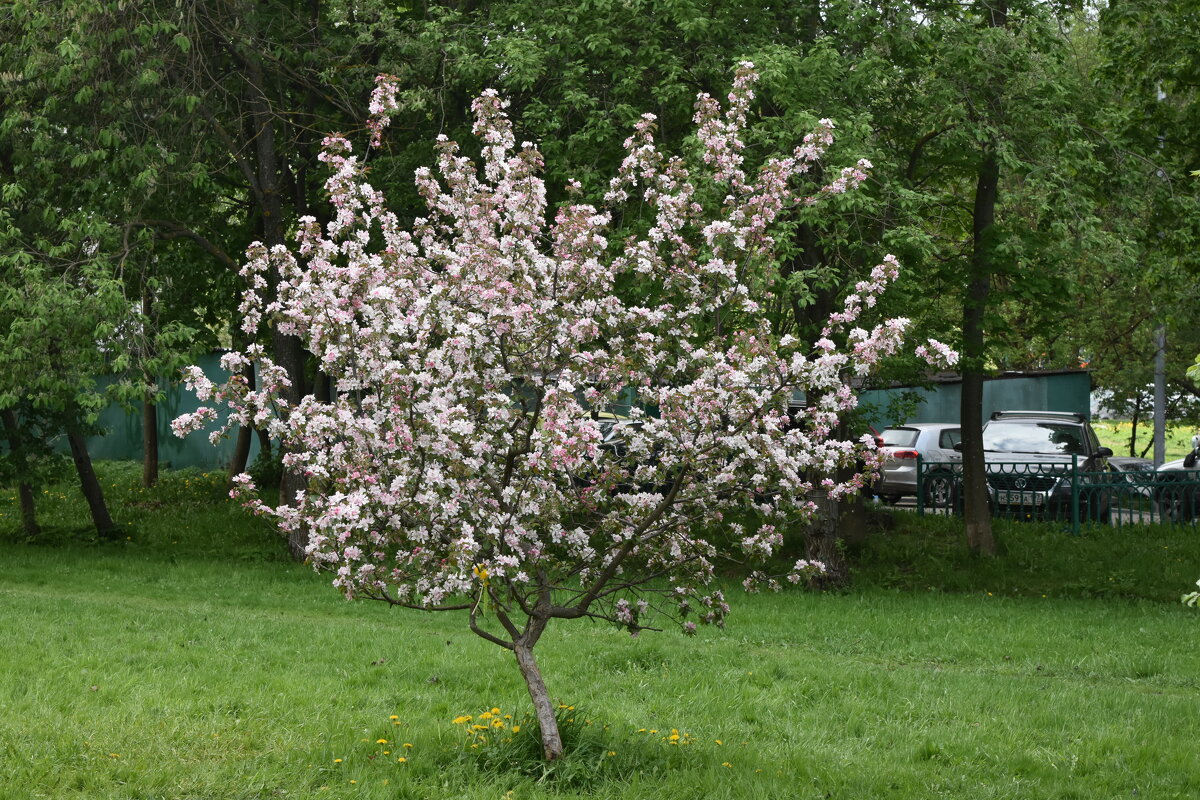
x=122, y=437
x=1066, y=493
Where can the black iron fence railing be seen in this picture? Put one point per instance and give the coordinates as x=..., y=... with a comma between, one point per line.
x=1064, y=491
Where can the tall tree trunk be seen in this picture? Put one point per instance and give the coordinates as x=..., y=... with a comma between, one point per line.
x=89, y=484
x=149, y=439
x=12, y=431
x=543, y=708
x=977, y=508
x=977, y=511
x=149, y=409
x=287, y=350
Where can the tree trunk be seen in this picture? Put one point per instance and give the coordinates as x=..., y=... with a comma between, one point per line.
x=852, y=520
x=1137, y=415
x=89, y=484
x=288, y=350
x=24, y=490
x=149, y=409
x=323, y=388
x=149, y=440
x=977, y=511
x=264, y=443
x=241, y=450
x=543, y=709
x=821, y=541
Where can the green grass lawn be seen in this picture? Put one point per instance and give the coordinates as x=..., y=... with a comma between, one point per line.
x=192, y=661
x=1115, y=434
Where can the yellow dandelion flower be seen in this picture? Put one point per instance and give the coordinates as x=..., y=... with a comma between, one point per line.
x=612, y=752
x=653, y=731
x=408, y=745
x=381, y=741
x=462, y=719
x=337, y=761
x=394, y=716
x=387, y=752
x=674, y=737
x=718, y=741
x=403, y=760
x=495, y=711
x=726, y=764
x=516, y=728
x=354, y=781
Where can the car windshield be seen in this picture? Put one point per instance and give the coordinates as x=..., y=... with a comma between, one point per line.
x=1040, y=437
x=900, y=437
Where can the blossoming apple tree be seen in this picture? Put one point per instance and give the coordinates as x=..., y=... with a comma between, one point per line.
x=474, y=460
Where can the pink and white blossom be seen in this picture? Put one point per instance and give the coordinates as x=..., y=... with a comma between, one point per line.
x=481, y=451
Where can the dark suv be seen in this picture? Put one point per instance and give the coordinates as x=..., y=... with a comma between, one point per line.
x=1032, y=458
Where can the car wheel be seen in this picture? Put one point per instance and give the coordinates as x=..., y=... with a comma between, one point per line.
x=1176, y=504
x=939, y=490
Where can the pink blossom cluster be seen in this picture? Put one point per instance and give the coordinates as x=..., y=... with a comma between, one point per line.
x=481, y=452
x=383, y=102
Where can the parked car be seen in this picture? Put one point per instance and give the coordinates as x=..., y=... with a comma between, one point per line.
x=1029, y=456
x=1135, y=474
x=1177, y=487
x=902, y=444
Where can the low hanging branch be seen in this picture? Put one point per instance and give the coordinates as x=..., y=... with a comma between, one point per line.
x=473, y=460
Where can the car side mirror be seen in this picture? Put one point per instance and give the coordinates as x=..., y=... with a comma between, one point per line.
x=1105, y=452
x=958, y=447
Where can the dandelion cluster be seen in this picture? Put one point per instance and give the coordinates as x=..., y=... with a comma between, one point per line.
x=488, y=726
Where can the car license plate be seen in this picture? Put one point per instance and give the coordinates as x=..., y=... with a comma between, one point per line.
x=1006, y=498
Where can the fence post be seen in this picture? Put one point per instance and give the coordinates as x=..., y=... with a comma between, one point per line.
x=1075, y=493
